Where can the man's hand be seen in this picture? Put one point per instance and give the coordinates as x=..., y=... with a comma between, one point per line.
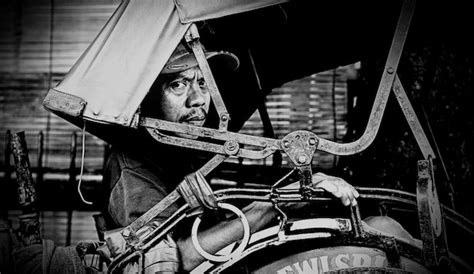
x=337, y=187
x=334, y=185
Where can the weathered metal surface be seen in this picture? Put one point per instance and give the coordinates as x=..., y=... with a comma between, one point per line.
x=29, y=229
x=383, y=91
x=300, y=146
x=26, y=185
x=334, y=239
x=209, y=133
x=272, y=145
x=396, y=252
x=192, y=37
x=431, y=221
x=412, y=120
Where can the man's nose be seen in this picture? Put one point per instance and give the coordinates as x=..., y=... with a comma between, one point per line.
x=195, y=97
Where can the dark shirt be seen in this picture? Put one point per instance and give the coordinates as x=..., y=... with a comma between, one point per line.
x=135, y=182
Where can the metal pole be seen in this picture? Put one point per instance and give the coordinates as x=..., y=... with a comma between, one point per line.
x=71, y=182
x=39, y=166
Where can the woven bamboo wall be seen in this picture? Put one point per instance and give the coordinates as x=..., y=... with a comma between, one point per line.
x=39, y=41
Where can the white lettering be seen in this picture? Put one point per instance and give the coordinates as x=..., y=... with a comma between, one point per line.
x=307, y=269
x=324, y=264
x=340, y=263
x=361, y=260
x=286, y=269
x=314, y=264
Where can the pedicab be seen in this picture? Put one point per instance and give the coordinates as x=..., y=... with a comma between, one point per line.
x=275, y=42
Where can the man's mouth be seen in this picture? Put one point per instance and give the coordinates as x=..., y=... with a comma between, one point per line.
x=194, y=117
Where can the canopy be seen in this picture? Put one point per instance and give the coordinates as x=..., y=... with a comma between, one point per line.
x=279, y=40
x=111, y=78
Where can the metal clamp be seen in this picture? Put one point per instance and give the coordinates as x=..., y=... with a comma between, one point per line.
x=237, y=251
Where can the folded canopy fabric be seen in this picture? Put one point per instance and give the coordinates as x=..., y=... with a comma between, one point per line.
x=198, y=10
x=111, y=78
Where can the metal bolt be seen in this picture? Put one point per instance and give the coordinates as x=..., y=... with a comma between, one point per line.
x=312, y=141
x=286, y=144
x=231, y=147
x=390, y=70
x=126, y=233
x=224, y=117
x=302, y=159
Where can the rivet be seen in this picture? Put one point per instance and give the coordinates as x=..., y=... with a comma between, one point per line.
x=390, y=70
x=126, y=233
x=302, y=159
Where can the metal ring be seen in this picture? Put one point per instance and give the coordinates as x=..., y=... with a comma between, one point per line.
x=237, y=251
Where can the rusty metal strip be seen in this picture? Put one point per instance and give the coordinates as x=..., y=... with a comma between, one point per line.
x=431, y=220
x=412, y=120
x=192, y=37
x=208, y=132
x=210, y=147
x=213, y=163
x=383, y=91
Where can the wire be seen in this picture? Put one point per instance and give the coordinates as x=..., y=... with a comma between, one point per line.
x=82, y=165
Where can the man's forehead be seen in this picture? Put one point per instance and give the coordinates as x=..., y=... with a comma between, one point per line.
x=190, y=73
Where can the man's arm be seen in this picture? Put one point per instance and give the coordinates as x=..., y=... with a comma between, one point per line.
x=258, y=214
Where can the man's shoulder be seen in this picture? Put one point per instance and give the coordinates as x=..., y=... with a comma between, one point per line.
x=125, y=160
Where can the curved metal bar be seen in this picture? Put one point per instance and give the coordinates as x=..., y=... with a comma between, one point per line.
x=383, y=91
x=278, y=195
x=387, y=194
x=272, y=145
x=304, y=233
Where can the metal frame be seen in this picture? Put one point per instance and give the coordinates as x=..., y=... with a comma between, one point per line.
x=300, y=147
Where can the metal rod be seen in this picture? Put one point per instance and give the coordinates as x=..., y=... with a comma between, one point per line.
x=39, y=165
x=383, y=91
x=412, y=120
x=192, y=37
x=70, y=187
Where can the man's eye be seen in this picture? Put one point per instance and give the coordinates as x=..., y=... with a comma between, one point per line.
x=202, y=83
x=178, y=85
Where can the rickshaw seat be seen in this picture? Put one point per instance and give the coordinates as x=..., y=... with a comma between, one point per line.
x=390, y=227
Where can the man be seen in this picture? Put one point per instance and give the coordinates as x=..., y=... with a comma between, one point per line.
x=138, y=179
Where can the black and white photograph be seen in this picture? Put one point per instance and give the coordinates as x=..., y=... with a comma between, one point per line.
x=236, y=136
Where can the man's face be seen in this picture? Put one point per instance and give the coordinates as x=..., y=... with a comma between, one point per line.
x=185, y=98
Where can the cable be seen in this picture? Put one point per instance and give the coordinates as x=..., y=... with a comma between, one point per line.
x=82, y=164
